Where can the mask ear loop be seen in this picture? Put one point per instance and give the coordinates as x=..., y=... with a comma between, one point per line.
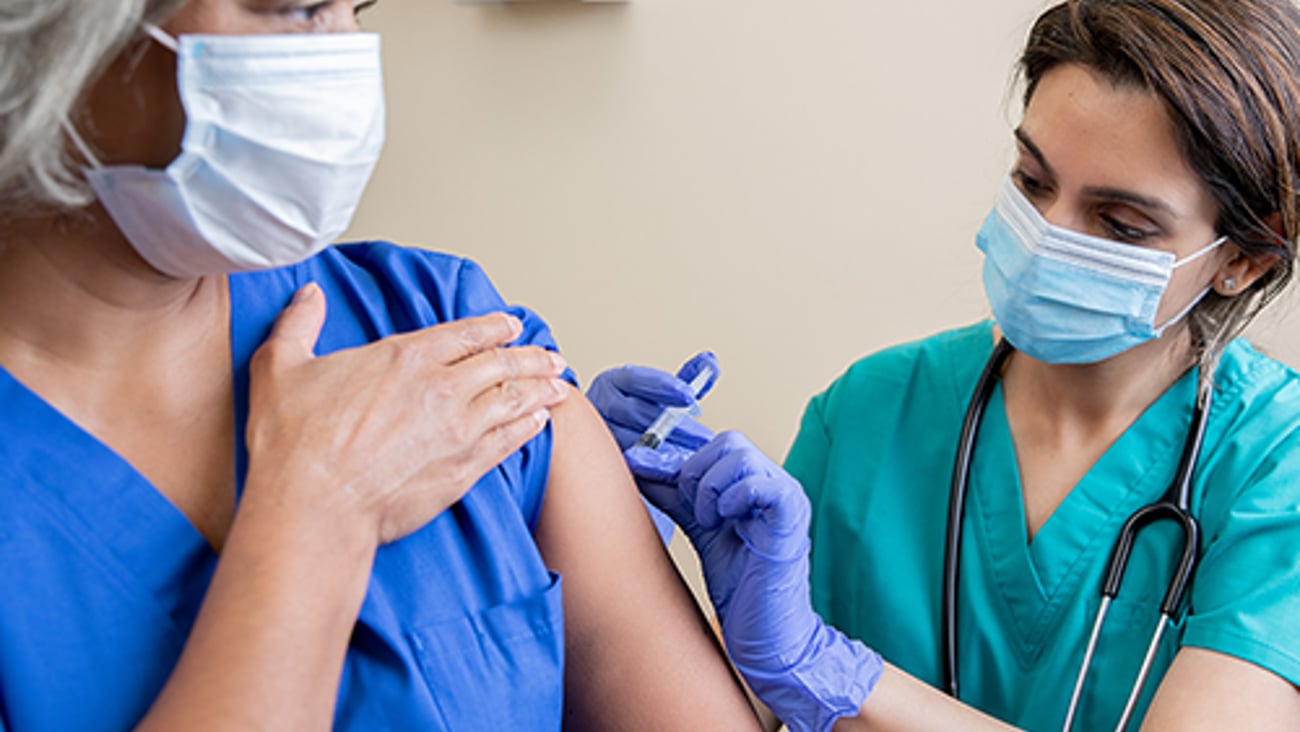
x=1200, y=253
x=1191, y=258
x=80, y=144
x=161, y=36
x=164, y=40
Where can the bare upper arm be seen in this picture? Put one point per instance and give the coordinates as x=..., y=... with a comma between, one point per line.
x=639, y=654
x=1207, y=690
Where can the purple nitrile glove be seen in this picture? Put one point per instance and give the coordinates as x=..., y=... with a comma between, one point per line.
x=748, y=520
x=629, y=398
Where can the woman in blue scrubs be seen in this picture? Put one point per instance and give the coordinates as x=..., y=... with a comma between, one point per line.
x=249, y=480
x=1153, y=210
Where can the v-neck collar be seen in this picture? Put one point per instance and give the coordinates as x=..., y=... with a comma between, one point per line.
x=105, y=502
x=1037, y=580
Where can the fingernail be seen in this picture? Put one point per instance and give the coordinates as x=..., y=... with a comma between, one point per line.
x=560, y=387
x=305, y=293
x=542, y=416
x=516, y=326
x=558, y=362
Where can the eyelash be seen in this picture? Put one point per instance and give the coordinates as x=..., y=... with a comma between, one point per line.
x=1123, y=232
x=1030, y=184
x=1033, y=188
x=310, y=12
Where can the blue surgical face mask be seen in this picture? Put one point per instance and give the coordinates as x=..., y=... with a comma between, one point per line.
x=1064, y=297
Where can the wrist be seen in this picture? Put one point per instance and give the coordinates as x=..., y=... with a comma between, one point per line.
x=830, y=679
x=311, y=512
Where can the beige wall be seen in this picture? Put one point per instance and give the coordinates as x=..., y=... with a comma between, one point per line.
x=792, y=184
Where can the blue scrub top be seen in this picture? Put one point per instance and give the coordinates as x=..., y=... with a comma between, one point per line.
x=101, y=577
x=876, y=452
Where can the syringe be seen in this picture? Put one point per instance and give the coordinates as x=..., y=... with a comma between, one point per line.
x=668, y=419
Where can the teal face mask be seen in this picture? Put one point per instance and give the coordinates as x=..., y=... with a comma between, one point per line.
x=1064, y=297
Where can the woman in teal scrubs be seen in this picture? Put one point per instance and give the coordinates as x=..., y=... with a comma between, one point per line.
x=250, y=480
x=1152, y=211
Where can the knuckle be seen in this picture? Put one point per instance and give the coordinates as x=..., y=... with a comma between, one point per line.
x=512, y=396
x=403, y=353
x=731, y=439
x=504, y=362
x=460, y=473
x=456, y=433
x=268, y=358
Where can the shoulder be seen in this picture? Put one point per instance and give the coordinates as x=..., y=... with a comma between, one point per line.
x=452, y=286
x=1246, y=597
x=942, y=367
x=1246, y=376
x=378, y=288
x=1257, y=404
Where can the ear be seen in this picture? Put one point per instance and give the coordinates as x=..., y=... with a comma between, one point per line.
x=1240, y=271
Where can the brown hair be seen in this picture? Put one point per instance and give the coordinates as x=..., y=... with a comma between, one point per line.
x=1228, y=73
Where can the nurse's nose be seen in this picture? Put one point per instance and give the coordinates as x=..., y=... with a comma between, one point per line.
x=1059, y=210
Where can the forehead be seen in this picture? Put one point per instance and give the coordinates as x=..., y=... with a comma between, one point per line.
x=1094, y=133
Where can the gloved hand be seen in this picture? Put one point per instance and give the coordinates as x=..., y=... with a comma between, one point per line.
x=748, y=520
x=629, y=398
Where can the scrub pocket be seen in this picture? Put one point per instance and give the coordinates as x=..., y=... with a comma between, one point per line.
x=501, y=669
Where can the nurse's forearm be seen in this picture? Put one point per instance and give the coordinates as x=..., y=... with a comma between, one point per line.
x=267, y=649
x=902, y=703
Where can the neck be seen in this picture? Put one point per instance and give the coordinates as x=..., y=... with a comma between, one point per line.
x=74, y=292
x=1113, y=391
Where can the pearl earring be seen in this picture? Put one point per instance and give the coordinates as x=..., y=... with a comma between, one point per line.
x=1229, y=285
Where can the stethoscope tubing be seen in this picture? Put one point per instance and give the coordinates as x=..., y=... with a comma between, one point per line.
x=1173, y=505
x=957, y=508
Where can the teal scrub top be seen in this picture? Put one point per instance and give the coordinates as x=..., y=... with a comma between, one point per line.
x=875, y=453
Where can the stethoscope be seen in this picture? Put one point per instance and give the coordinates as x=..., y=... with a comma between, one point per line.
x=1173, y=505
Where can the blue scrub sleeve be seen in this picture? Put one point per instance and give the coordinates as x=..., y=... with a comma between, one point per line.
x=1246, y=594
x=475, y=295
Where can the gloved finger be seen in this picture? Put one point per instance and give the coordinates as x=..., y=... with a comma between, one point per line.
x=629, y=411
x=704, y=458
x=624, y=436
x=697, y=466
x=732, y=466
x=690, y=369
x=667, y=498
x=627, y=421
x=690, y=434
x=651, y=385
x=662, y=465
x=771, y=514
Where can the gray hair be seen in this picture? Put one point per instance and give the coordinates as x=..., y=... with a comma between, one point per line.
x=50, y=53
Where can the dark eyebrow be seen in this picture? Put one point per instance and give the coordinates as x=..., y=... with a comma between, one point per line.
x=1110, y=194
x=1033, y=151
x=1129, y=197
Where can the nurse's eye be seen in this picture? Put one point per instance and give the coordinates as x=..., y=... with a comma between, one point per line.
x=309, y=12
x=1120, y=231
x=1033, y=187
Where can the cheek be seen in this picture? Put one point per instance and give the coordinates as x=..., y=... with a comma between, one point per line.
x=1186, y=285
x=136, y=112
